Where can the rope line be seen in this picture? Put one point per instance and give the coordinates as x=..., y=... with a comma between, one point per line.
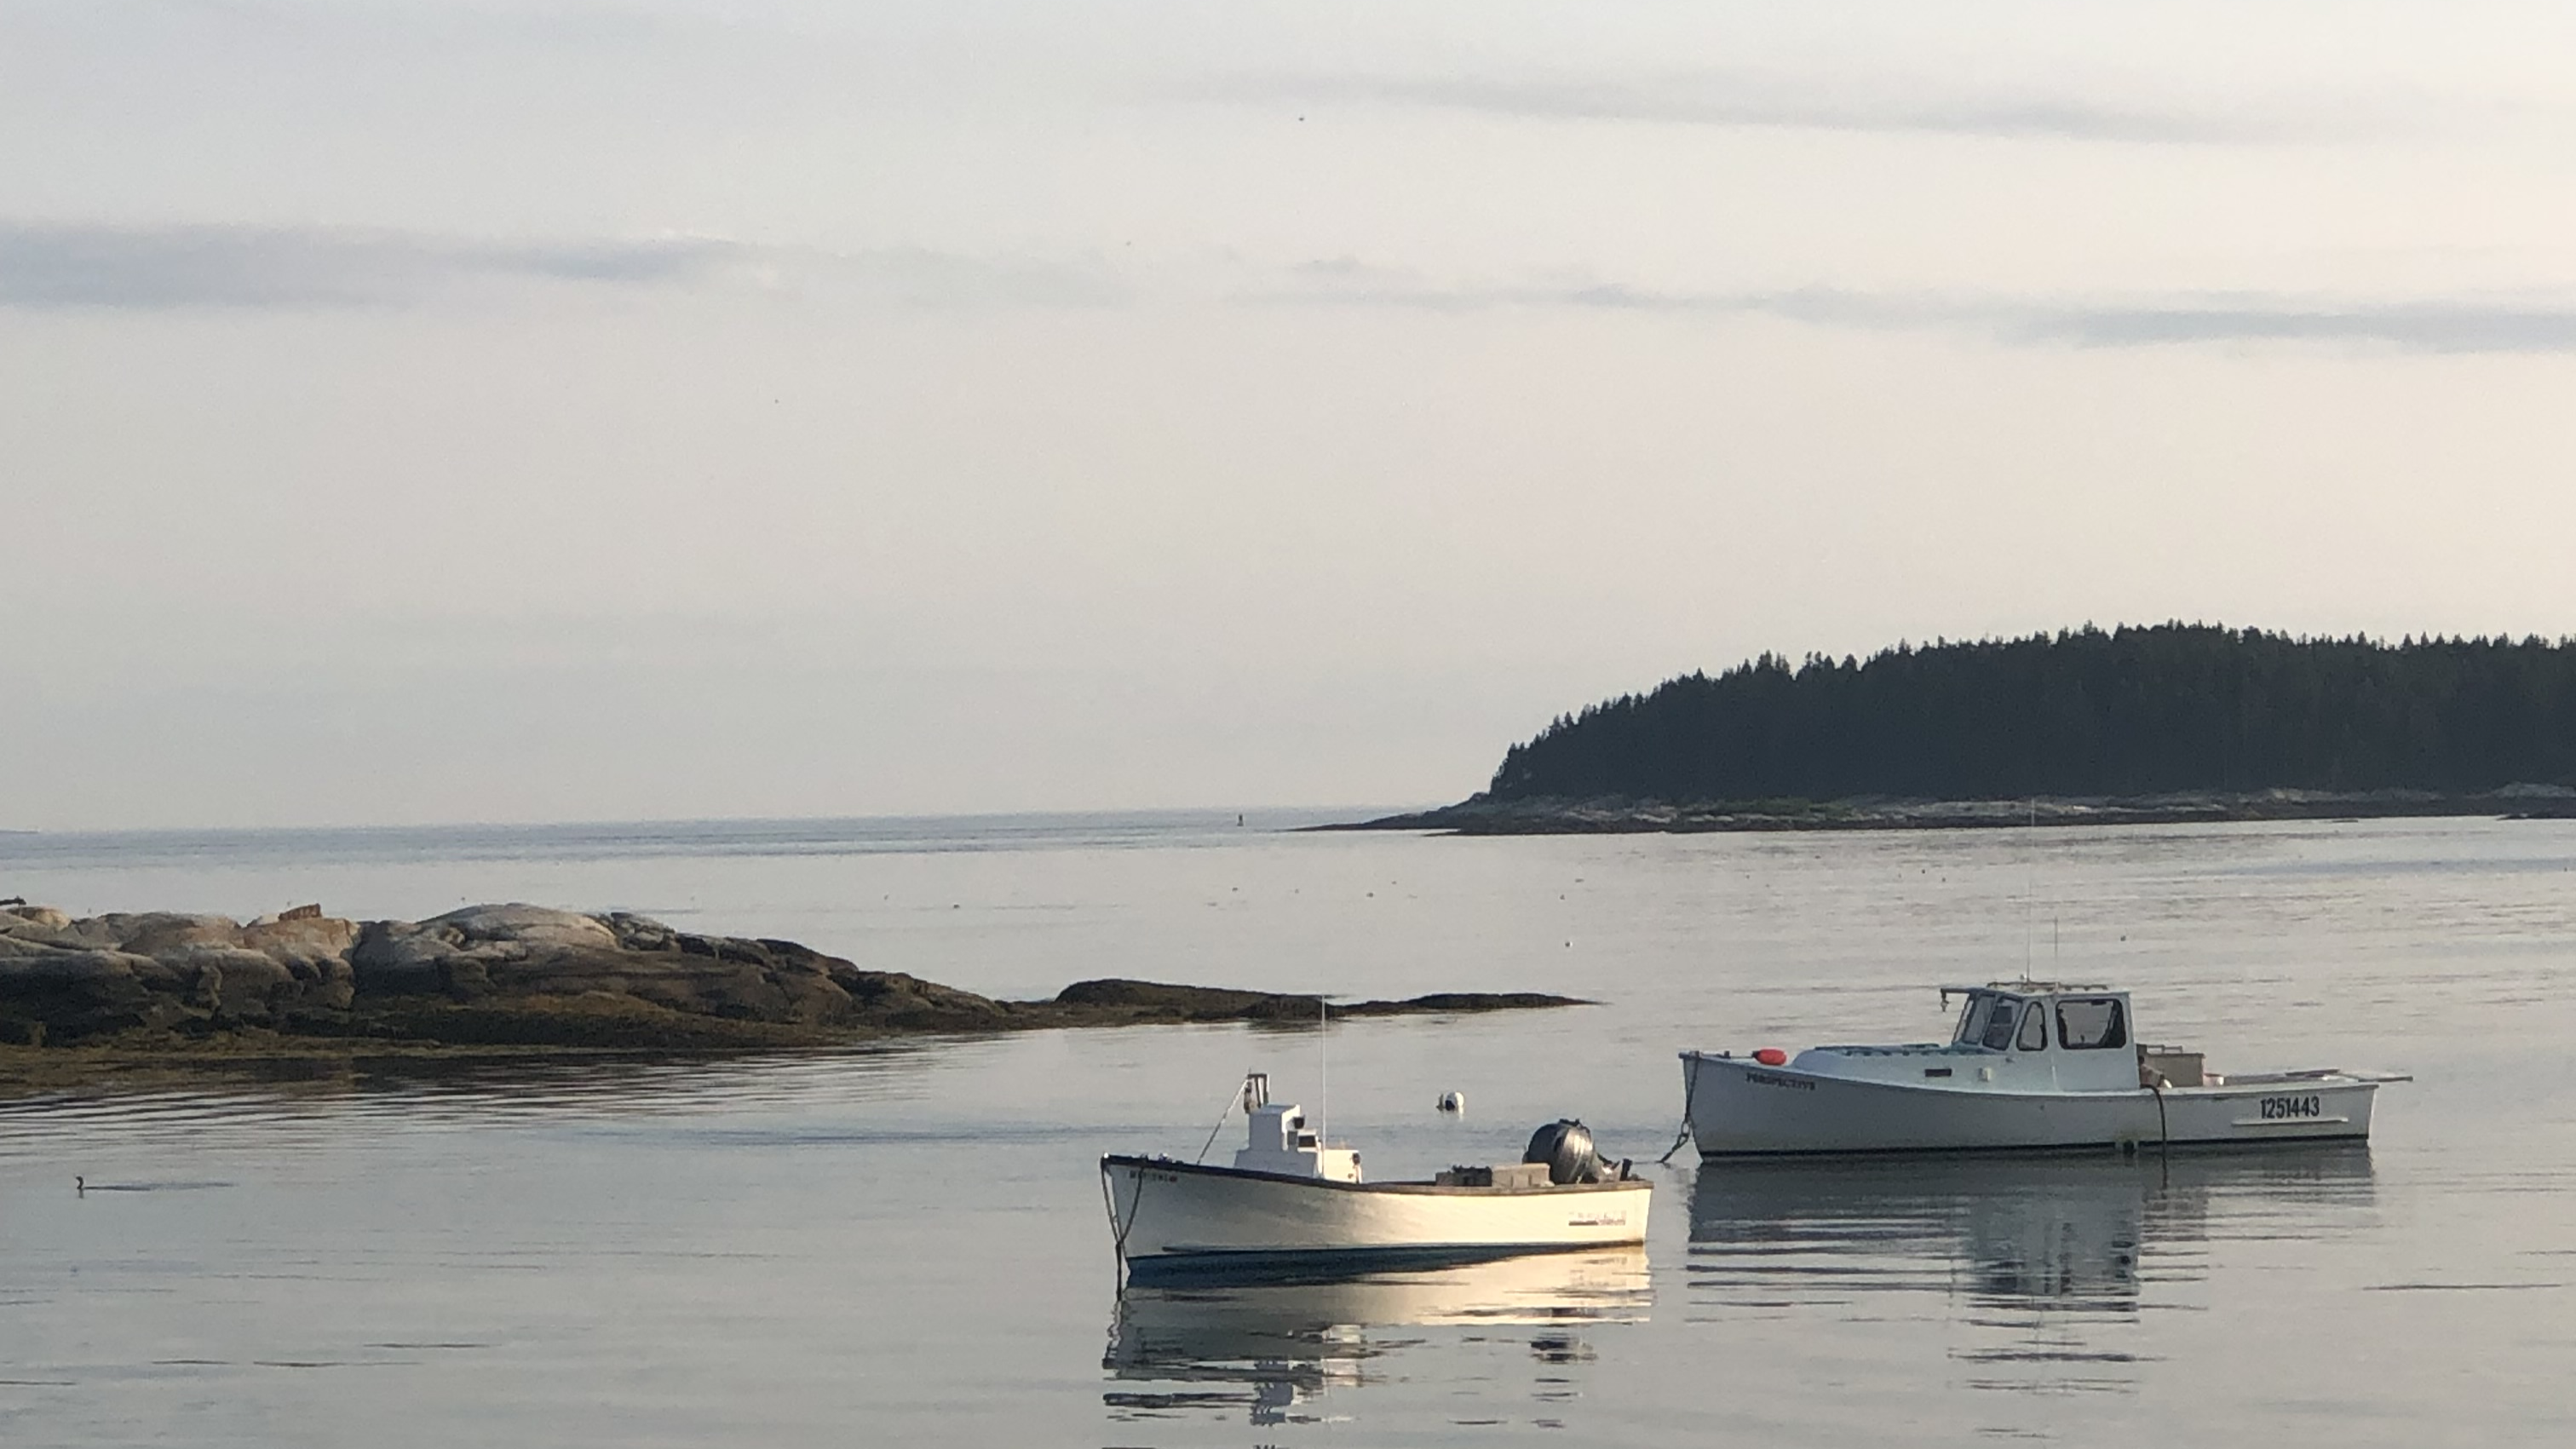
x=1222, y=1113
x=1117, y=1231
x=1109, y=1205
x=1690, y=1089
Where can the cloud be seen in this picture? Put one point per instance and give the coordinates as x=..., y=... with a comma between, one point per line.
x=52, y=265
x=60, y=267
x=2517, y=323
x=2456, y=325
x=1746, y=99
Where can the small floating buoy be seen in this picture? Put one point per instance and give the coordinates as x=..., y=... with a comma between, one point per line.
x=1453, y=1102
x=1772, y=1057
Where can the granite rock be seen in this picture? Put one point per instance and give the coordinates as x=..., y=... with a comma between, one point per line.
x=523, y=975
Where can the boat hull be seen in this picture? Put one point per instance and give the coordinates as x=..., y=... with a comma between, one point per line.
x=1176, y=1217
x=1737, y=1107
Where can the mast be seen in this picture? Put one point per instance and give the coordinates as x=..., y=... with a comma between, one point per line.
x=1324, y=1093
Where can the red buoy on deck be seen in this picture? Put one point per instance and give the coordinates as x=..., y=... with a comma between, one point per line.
x=1772, y=1057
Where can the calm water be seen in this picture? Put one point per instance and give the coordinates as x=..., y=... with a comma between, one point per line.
x=905, y=1245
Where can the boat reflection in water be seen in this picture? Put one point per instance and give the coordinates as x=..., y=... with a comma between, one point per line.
x=1271, y=1344
x=2045, y=1262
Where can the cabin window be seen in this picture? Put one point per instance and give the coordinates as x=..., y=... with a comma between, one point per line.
x=2091, y=1023
x=1972, y=1019
x=1999, y=1026
x=2034, y=1029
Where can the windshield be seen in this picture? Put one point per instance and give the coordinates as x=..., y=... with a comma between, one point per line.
x=1987, y=1021
x=1972, y=1020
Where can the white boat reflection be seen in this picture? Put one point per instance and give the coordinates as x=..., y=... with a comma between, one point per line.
x=1270, y=1344
x=2077, y=1232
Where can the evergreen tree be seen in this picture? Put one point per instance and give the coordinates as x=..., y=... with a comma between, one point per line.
x=2131, y=711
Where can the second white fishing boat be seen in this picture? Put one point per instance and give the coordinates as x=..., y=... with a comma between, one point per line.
x=1291, y=1203
x=2030, y=1065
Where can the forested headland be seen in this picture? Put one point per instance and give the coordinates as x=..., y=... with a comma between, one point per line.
x=2135, y=715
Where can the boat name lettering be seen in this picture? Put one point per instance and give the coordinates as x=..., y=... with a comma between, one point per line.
x=2283, y=1108
x=1599, y=1220
x=1759, y=1080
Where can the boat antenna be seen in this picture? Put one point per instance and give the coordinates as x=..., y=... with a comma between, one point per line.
x=1324, y=1091
x=2029, y=888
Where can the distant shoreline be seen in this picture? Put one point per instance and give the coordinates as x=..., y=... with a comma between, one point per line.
x=1483, y=815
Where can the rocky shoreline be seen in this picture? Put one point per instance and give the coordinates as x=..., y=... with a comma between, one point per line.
x=124, y=991
x=1485, y=815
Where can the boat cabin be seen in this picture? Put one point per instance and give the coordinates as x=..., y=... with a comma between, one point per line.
x=2082, y=1033
x=1283, y=1142
x=2029, y=1036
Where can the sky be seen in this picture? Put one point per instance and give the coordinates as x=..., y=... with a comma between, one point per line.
x=460, y=410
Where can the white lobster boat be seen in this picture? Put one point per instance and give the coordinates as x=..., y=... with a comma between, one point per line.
x=2030, y=1065
x=1292, y=1204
